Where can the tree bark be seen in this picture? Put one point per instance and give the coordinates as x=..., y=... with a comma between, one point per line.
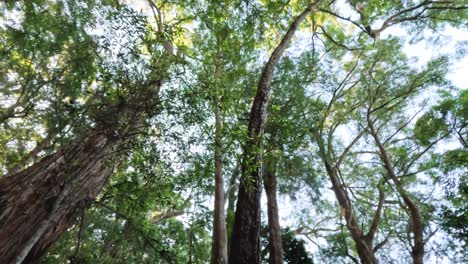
x=231, y=197
x=417, y=249
x=41, y=202
x=275, y=247
x=219, y=245
x=245, y=241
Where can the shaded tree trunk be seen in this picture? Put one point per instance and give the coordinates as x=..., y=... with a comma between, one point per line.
x=42, y=201
x=245, y=241
x=231, y=197
x=275, y=246
x=231, y=192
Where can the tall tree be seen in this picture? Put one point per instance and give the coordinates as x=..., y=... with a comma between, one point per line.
x=245, y=244
x=275, y=245
x=40, y=202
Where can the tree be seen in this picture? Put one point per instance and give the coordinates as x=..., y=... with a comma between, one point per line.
x=60, y=185
x=245, y=243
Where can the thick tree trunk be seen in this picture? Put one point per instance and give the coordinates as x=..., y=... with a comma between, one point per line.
x=39, y=203
x=275, y=247
x=219, y=245
x=417, y=249
x=245, y=241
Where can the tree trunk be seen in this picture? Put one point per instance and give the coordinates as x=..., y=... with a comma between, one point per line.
x=219, y=245
x=417, y=249
x=245, y=241
x=363, y=245
x=41, y=202
x=275, y=247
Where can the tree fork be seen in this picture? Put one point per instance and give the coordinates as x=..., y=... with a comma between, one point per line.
x=417, y=250
x=363, y=245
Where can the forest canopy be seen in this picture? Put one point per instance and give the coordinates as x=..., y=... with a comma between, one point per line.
x=289, y=131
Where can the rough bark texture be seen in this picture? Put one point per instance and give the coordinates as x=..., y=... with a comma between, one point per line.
x=417, y=249
x=275, y=246
x=219, y=245
x=41, y=202
x=245, y=241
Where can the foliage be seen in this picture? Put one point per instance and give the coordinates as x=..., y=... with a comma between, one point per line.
x=295, y=251
x=67, y=67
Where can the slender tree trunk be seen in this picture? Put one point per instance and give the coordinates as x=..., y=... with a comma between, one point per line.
x=274, y=231
x=232, y=188
x=219, y=246
x=363, y=245
x=417, y=249
x=245, y=242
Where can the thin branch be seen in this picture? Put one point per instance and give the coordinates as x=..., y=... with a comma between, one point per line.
x=342, y=18
x=375, y=221
x=348, y=148
x=380, y=245
x=402, y=126
x=335, y=42
x=80, y=231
